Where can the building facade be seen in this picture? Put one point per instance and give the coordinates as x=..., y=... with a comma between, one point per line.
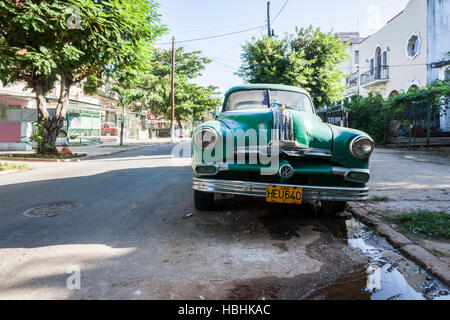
x=18, y=117
x=410, y=50
x=89, y=118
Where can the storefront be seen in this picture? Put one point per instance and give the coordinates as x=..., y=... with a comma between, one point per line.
x=18, y=118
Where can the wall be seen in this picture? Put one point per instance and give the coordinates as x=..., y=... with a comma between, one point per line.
x=10, y=132
x=438, y=34
x=14, y=136
x=393, y=38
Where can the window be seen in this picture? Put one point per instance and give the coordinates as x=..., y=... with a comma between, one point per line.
x=372, y=64
x=384, y=59
x=247, y=99
x=413, y=46
x=258, y=99
x=3, y=108
x=292, y=100
x=356, y=56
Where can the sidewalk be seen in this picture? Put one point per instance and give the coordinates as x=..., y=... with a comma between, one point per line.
x=404, y=182
x=107, y=148
x=104, y=148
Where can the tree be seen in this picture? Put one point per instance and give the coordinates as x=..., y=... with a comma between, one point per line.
x=434, y=96
x=72, y=41
x=128, y=98
x=192, y=101
x=308, y=59
x=368, y=114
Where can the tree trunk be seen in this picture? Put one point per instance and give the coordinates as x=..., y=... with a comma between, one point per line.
x=428, y=125
x=181, y=128
x=409, y=135
x=122, y=126
x=43, y=117
x=56, y=123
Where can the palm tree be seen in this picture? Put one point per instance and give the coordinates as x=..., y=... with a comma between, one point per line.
x=127, y=98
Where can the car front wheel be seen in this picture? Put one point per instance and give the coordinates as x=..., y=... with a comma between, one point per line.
x=203, y=200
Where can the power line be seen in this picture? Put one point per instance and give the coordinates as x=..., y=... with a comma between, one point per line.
x=279, y=12
x=217, y=28
x=234, y=47
x=213, y=37
x=214, y=59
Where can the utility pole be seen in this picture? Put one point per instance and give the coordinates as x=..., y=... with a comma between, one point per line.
x=269, y=32
x=172, y=94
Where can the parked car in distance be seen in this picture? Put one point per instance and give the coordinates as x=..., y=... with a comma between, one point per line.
x=109, y=129
x=268, y=142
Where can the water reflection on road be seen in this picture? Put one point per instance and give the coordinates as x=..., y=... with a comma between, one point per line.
x=390, y=276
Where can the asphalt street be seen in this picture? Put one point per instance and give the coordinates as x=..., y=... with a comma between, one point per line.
x=130, y=232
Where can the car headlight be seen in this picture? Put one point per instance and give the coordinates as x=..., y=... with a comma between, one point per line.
x=206, y=138
x=361, y=147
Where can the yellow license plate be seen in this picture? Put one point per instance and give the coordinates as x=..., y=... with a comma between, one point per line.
x=283, y=194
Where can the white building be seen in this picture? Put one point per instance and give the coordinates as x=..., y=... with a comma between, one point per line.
x=410, y=50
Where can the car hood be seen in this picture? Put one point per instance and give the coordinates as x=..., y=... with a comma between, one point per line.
x=305, y=128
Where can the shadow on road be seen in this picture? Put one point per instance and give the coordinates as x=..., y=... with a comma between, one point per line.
x=133, y=229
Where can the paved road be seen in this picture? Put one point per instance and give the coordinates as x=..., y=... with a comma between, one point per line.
x=133, y=238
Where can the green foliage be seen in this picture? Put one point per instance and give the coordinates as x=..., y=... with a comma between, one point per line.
x=374, y=114
x=379, y=198
x=192, y=101
x=12, y=166
x=38, y=136
x=73, y=40
x=435, y=223
x=128, y=97
x=368, y=114
x=308, y=59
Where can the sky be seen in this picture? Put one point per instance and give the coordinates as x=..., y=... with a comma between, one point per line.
x=193, y=19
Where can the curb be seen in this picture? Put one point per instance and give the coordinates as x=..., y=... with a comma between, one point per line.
x=40, y=159
x=412, y=251
x=3, y=173
x=95, y=156
x=71, y=159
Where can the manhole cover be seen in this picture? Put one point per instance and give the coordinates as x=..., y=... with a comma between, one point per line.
x=51, y=210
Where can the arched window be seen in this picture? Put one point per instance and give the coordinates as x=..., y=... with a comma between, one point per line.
x=393, y=94
x=378, y=63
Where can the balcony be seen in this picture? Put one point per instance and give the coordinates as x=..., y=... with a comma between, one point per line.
x=352, y=81
x=375, y=76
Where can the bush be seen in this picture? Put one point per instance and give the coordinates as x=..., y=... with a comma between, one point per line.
x=368, y=114
x=435, y=223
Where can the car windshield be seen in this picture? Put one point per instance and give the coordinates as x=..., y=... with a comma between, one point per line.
x=259, y=99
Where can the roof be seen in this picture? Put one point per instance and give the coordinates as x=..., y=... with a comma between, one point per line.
x=396, y=16
x=266, y=86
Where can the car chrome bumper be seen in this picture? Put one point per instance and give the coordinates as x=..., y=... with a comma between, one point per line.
x=258, y=189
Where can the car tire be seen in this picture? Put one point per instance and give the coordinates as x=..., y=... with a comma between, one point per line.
x=332, y=207
x=203, y=200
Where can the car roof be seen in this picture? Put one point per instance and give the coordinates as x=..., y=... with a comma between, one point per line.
x=256, y=86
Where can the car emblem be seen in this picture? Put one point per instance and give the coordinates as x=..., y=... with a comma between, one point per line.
x=286, y=171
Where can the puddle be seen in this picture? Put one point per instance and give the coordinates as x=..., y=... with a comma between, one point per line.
x=388, y=275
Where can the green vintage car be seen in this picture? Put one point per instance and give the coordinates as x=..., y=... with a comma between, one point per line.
x=269, y=142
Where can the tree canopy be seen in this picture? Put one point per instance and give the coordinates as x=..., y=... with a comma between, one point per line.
x=70, y=41
x=192, y=101
x=307, y=59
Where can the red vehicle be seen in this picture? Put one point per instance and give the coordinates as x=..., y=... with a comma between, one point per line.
x=109, y=129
